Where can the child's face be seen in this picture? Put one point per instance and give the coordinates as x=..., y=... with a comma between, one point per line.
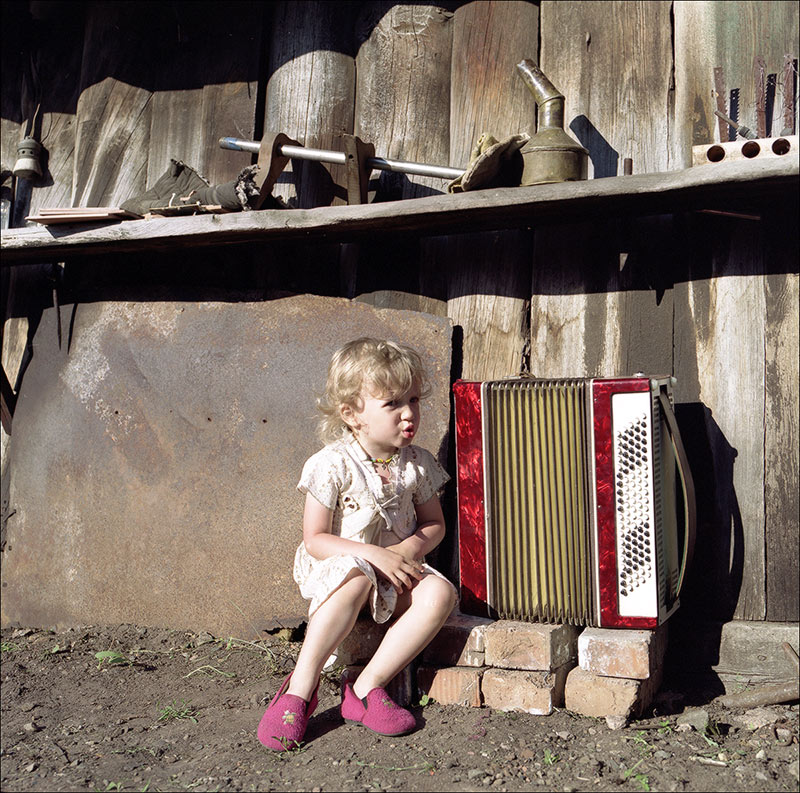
x=384, y=424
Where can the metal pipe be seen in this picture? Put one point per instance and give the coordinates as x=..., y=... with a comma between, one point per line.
x=339, y=158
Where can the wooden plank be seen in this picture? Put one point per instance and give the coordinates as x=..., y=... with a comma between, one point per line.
x=310, y=93
x=781, y=468
x=599, y=305
x=720, y=319
x=403, y=90
x=58, y=66
x=613, y=62
x=198, y=99
x=491, y=303
x=486, y=93
x=113, y=116
x=602, y=299
x=728, y=35
x=500, y=208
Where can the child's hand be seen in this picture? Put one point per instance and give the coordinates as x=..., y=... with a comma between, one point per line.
x=400, y=571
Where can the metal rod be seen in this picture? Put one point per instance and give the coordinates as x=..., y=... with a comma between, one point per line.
x=339, y=158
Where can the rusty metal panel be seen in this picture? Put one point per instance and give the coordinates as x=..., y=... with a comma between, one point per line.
x=155, y=457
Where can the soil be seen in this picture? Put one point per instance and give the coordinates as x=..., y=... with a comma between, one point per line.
x=175, y=711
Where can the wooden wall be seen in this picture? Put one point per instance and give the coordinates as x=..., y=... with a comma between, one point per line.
x=122, y=87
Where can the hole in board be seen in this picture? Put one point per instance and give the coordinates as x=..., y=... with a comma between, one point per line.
x=751, y=149
x=715, y=154
x=781, y=146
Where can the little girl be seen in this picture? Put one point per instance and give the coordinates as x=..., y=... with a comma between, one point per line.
x=371, y=514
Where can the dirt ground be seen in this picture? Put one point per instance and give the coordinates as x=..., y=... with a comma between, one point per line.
x=173, y=711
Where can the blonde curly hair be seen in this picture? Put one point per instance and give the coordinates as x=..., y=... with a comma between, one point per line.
x=384, y=368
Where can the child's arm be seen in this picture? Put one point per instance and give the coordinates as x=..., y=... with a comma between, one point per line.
x=321, y=544
x=429, y=533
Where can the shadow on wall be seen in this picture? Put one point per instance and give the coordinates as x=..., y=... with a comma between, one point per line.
x=605, y=159
x=174, y=33
x=711, y=588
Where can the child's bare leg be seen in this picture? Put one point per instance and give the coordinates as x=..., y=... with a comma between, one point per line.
x=427, y=606
x=331, y=622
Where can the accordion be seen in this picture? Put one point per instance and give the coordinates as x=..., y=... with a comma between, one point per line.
x=568, y=500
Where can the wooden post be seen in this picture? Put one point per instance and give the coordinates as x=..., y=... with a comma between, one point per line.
x=488, y=275
x=310, y=89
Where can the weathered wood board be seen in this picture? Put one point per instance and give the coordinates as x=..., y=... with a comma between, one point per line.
x=488, y=275
x=720, y=321
x=402, y=95
x=729, y=35
x=599, y=306
x=114, y=109
x=613, y=63
x=310, y=93
x=602, y=299
x=782, y=416
x=584, y=292
x=500, y=208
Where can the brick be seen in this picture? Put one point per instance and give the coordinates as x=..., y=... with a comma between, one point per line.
x=453, y=685
x=360, y=644
x=594, y=695
x=536, y=692
x=460, y=642
x=622, y=653
x=530, y=646
x=401, y=688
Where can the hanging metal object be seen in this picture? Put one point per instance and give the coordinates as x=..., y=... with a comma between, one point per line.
x=551, y=155
x=27, y=165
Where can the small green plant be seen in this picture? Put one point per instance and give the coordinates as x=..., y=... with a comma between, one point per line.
x=424, y=700
x=55, y=650
x=711, y=732
x=642, y=742
x=210, y=671
x=9, y=647
x=550, y=758
x=664, y=727
x=426, y=767
x=291, y=747
x=641, y=779
x=112, y=785
x=713, y=729
x=112, y=658
x=184, y=711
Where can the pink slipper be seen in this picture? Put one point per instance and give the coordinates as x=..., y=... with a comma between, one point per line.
x=377, y=711
x=283, y=724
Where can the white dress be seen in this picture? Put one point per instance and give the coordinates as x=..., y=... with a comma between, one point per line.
x=342, y=478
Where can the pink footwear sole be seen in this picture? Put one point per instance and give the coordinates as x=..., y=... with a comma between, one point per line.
x=377, y=712
x=284, y=722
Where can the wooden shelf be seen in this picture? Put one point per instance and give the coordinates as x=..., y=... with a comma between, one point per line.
x=721, y=186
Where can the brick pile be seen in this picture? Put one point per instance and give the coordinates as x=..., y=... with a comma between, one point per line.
x=520, y=666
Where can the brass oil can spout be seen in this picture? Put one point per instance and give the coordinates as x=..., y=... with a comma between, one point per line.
x=551, y=155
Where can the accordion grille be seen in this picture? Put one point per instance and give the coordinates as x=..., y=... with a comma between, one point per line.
x=538, y=501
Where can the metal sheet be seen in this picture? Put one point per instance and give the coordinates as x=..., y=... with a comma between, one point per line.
x=154, y=458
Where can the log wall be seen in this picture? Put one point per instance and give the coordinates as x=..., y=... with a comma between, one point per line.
x=123, y=87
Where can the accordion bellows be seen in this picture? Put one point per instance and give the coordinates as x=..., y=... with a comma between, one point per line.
x=567, y=500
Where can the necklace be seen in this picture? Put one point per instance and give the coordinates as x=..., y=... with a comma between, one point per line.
x=387, y=462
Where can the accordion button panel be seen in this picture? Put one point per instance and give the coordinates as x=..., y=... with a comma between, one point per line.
x=634, y=504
